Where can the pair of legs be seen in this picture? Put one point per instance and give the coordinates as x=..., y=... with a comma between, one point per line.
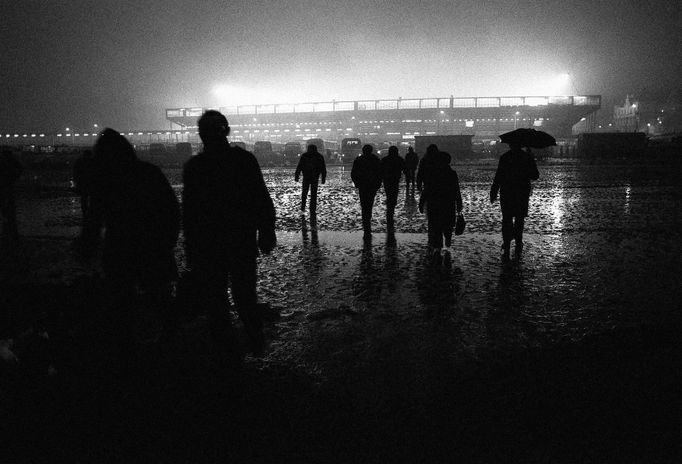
x=309, y=184
x=391, y=189
x=366, y=205
x=213, y=278
x=410, y=179
x=440, y=225
x=512, y=228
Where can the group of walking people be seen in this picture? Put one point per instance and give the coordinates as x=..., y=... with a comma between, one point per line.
x=228, y=218
x=441, y=197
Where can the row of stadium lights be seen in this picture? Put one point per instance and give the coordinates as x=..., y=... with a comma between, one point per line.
x=266, y=125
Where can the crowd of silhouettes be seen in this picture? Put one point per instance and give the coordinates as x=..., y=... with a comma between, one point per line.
x=131, y=213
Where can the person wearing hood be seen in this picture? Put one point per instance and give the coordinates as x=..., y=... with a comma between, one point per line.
x=135, y=206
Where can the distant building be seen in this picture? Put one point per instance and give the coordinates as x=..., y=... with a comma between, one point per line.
x=652, y=115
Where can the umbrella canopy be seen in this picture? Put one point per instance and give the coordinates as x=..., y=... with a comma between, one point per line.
x=528, y=138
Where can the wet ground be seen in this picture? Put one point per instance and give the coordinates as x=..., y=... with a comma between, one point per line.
x=566, y=354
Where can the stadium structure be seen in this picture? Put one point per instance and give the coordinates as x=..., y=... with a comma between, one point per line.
x=399, y=120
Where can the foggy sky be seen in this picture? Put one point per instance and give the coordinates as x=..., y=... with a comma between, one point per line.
x=121, y=63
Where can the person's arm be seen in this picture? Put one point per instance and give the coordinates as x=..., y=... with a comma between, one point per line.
x=420, y=175
x=265, y=220
x=494, y=189
x=299, y=167
x=458, y=193
x=323, y=169
x=533, y=172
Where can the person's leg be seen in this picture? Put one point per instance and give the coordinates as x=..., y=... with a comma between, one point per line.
x=434, y=226
x=304, y=193
x=366, y=205
x=391, y=202
x=313, y=198
x=243, y=277
x=507, y=232
x=210, y=284
x=519, y=222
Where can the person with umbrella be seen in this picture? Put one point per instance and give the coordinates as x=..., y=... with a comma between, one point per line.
x=514, y=173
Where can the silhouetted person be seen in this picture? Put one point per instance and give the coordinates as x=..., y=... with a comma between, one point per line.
x=135, y=205
x=10, y=171
x=425, y=165
x=392, y=169
x=443, y=201
x=366, y=175
x=227, y=216
x=514, y=172
x=82, y=180
x=411, y=163
x=312, y=166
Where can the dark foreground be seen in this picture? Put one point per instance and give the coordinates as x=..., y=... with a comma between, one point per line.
x=569, y=354
x=361, y=379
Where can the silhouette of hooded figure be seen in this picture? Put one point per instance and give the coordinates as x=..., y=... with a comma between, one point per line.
x=135, y=205
x=312, y=166
x=443, y=201
x=411, y=163
x=392, y=169
x=425, y=165
x=10, y=171
x=512, y=179
x=366, y=175
x=227, y=216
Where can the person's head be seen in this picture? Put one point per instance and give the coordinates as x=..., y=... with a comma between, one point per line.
x=410, y=149
x=393, y=151
x=444, y=157
x=312, y=148
x=213, y=127
x=432, y=150
x=367, y=149
x=113, y=152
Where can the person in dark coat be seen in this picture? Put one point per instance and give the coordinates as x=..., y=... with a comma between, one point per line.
x=133, y=202
x=228, y=216
x=443, y=201
x=392, y=170
x=366, y=175
x=512, y=180
x=10, y=171
x=411, y=163
x=82, y=180
x=312, y=166
x=425, y=165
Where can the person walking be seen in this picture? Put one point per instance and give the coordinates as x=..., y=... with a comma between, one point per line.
x=133, y=202
x=515, y=171
x=392, y=170
x=366, y=175
x=10, y=171
x=312, y=166
x=411, y=163
x=443, y=200
x=228, y=216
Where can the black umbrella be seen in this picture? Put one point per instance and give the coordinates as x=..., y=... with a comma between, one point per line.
x=528, y=138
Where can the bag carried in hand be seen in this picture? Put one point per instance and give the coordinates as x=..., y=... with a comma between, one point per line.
x=459, y=224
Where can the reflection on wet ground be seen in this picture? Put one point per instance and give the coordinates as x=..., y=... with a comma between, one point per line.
x=602, y=252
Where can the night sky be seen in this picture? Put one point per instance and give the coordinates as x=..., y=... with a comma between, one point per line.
x=120, y=63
